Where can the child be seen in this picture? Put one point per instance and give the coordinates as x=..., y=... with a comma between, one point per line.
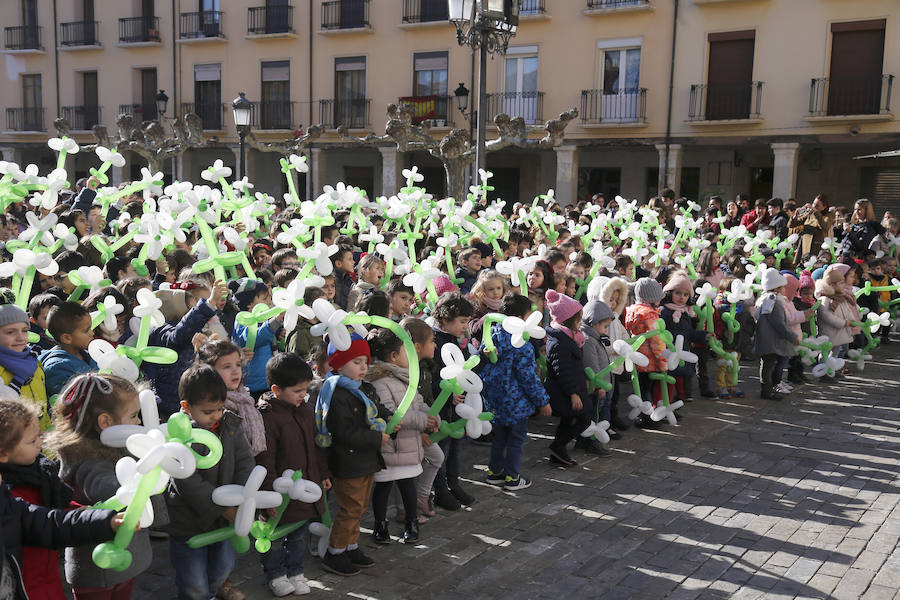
x=70, y=325
x=88, y=405
x=486, y=296
x=469, y=264
x=403, y=454
x=20, y=369
x=540, y=277
x=681, y=320
x=343, y=264
x=512, y=392
x=351, y=426
x=878, y=300
x=369, y=273
x=248, y=293
x=803, y=302
x=225, y=358
x=401, y=296
x=795, y=319
x=330, y=289
x=613, y=291
x=596, y=320
x=32, y=477
x=775, y=340
x=200, y=572
x=300, y=341
x=836, y=311
x=39, y=309
x=724, y=369
x=452, y=313
x=290, y=429
x=640, y=318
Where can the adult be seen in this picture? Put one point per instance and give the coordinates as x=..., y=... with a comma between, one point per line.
x=816, y=224
x=866, y=233
x=732, y=215
x=757, y=217
x=777, y=218
x=743, y=202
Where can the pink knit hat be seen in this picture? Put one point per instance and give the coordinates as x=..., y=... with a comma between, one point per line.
x=443, y=284
x=561, y=306
x=806, y=280
x=792, y=285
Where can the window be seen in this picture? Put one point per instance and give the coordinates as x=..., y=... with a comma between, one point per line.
x=520, y=83
x=857, y=56
x=730, y=75
x=33, y=103
x=146, y=111
x=430, y=86
x=91, y=100
x=208, y=95
x=275, y=105
x=619, y=79
x=350, y=91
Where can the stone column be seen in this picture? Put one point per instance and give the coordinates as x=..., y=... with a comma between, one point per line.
x=317, y=171
x=566, y=189
x=784, y=179
x=670, y=175
x=236, y=150
x=391, y=167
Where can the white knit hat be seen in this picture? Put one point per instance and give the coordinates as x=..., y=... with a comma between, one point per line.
x=772, y=279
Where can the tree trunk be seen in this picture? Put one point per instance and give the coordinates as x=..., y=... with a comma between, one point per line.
x=455, y=169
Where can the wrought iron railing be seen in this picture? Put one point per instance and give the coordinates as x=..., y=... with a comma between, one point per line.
x=81, y=118
x=141, y=112
x=212, y=114
x=615, y=3
x=725, y=101
x=263, y=20
x=79, y=33
x=528, y=105
x=133, y=30
x=628, y=106
x=864, y=96
x=424, y=11
x=25, y=119
x=353, y=114
x=23, y=37
x=204, y=24
x=272, y=114
x=533, y=7
x=345, y=14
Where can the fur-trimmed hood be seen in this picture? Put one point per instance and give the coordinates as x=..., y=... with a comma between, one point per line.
x=73, y=453
x=606, y=294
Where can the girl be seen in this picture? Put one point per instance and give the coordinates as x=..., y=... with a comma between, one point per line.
x=708, y=266
x=540, y=277
x=775, y=340
x=403, y=453
x=640, y=318
x=19, y=366
x=225, y=358
x=486, y=296
x=837, y=310
x=89, y=404
x=681, y=320
x=369, y=273
x=795, y=319
x=330, y=289
x=613, y=291
x=725, y=389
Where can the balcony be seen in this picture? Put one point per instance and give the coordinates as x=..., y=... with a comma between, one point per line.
x=722, y=103
x=270, y=21
x=211, y=114
x=417, y=12
x=530, y=9
x=345, y=15
x=619, y=109
x=352, y=114
x=601, y=7
x=79, y=34
x=24, y=38
x=25, y=119
x=81, y=118
x=139, y=30
x=272, y=114
x=204, y=25
x=140, y=112
x=850, y=99
x=528, y=105
x=430, y=108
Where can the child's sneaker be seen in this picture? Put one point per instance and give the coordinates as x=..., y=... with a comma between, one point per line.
x=281, y=586
x=737, y=393
x=496, y=478
x=339, y=564
x=358, y=559
x=300, y=583
x=724, y=395
x=519, y=483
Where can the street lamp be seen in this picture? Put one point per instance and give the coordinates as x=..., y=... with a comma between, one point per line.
x=486, y=26
x=162, y=101
x=462, y=98
x=241, y=108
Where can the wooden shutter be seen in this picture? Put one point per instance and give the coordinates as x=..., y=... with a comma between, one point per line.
x=857, y=54
x=730, y=74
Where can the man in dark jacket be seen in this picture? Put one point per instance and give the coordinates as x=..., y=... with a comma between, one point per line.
x=777, y=218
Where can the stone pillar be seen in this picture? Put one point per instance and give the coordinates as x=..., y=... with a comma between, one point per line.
x=784, y=179
x=236, y=150
x=670, y=175
x=566, y=190
x=317, y=171
x=391, y=167
x=178, y=175
x=8, y=154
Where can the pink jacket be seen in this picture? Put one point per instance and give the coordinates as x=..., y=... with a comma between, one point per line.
x=795, y=318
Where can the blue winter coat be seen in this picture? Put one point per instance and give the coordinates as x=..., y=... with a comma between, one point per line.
x=512, y=388
x=175, y=336
x=565, y=374
x=262, y=351
x=60, y=366
x=687, y=327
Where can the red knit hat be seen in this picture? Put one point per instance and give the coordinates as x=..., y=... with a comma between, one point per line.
x=561, y=307
x=339, y=358
x=443, y=284
x=806, y=280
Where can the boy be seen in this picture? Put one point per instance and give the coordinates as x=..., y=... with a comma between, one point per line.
x=344, y=265
x=290, y=424
x=39, y=309
x=469, y=261
x=300, y=341
x=452, y=313
x=877, y=301
x=200, y=572
x=351, y=426
x=286, y=258
x=401, y=296
x=70, y=325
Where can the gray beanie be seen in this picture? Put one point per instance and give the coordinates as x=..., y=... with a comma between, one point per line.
x=10, y=313
x=648, y=290
x=596, y=311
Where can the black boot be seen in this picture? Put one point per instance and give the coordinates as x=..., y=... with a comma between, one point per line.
x=465, y=498
x=560, y=456
x=411, y=534
x=618, y=424
x=592, y=446
x=444, y=499
x=380, y=532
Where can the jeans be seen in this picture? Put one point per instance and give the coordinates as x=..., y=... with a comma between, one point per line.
x=200, y=571
x=841, y=351
x=778, y=370
x=448, y=474
x=286, y=555
x=506, y=448
x=602, y=407
x=382, y=491
x=434, y=458
x=121, y=591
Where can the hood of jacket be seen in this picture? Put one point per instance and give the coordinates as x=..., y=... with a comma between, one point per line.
x=72, y=452
x=606, y=294
x=380, y=369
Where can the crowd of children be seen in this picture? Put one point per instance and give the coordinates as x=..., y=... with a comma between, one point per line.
x=293, y=400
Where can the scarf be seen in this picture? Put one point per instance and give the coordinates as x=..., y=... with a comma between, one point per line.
x=41, y=474
x=577, y=336
x=492, y=304
x=241, y=402
x=678, y=310
x=22, y=365
x=323, y=404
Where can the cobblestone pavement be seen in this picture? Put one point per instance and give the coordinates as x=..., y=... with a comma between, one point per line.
x=746, y=499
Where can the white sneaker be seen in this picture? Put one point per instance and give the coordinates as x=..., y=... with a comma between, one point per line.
x=281, y=586
x=300, y=583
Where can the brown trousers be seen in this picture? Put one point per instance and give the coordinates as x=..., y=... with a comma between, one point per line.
x=353, y=498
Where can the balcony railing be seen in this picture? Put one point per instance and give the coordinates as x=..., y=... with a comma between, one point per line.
x=79, y=33
x=264, y=20
x=528, y=105
x=141, y=112
x=430, y=108
x=134, y=30
x=600, y=4
x=725, y=101
x=833, y=97
x=345, y=14
x=352, y=114
x=81, y=118
x=23, y=37
x=25, y=119
x=629, y=106
x=533, y=7
x=424, y=11
x=198, y=25
x=272, y=114
x=211, y=114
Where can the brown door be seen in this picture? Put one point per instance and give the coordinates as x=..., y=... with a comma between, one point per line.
x=730, y=75
x=857, y=54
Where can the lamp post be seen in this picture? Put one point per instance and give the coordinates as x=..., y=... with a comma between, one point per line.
x=486, y=26
x=162, y=102
x=241, y=108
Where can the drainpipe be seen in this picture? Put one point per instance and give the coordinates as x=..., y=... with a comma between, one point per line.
x=56, y=57
x=176, y=105
x=309, y=175
x=665, y=176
